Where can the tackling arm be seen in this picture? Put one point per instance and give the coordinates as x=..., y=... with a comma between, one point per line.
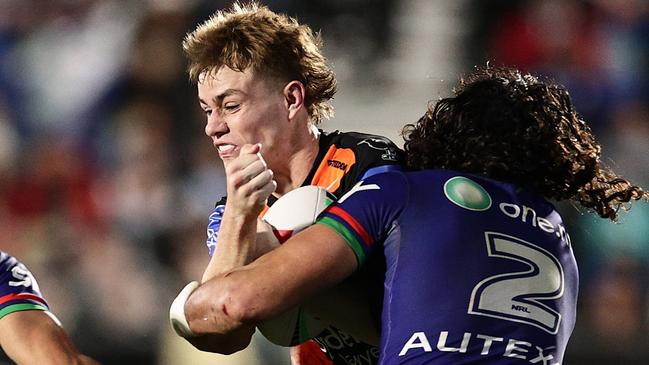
x=274, y=283
x=33, y=337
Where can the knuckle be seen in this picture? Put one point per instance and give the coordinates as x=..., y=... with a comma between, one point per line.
x=237, y=179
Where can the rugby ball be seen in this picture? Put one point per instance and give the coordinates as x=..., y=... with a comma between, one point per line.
x=290, y=214
x=297, y=210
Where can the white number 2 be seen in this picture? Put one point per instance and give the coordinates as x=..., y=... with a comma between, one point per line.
x=515, y=296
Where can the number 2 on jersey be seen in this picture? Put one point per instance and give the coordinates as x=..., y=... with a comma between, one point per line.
x=516, y=296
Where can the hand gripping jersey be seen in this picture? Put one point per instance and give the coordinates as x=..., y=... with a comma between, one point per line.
x=477, y=271
x=18, y=288
x=343, y=160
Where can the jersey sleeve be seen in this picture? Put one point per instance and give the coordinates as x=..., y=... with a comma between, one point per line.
x=373, y=154
x=346, y=158
x=368, y=212
x=18, y=288
x=377, y=154
x=214, y=225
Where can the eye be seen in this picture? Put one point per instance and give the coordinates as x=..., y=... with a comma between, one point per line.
x=231, y=106
x=207, y=112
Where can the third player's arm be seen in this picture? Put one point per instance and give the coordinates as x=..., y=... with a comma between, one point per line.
x=33, y=337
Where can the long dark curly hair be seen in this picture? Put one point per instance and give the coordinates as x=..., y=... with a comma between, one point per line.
x=513, y=127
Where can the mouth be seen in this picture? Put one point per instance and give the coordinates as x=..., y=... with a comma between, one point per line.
x=226, y=150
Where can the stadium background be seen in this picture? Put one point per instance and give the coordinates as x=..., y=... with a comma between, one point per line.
x=106, y=178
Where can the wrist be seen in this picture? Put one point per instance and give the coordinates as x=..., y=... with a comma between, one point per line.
x=239, y=224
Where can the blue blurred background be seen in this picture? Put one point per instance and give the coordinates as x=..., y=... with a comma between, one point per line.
x=106, y=178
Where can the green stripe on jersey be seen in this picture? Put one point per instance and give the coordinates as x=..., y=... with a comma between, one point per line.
x=21, y=307
x=352, y=242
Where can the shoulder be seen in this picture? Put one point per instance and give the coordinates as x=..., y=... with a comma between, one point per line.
x=367, y=154
x=345, y=158
x=394, y=178
x=7, y=262
x=383, y=189
x=362, y=143
x=18, y=288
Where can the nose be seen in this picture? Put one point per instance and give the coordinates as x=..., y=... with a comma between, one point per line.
x=215, y=126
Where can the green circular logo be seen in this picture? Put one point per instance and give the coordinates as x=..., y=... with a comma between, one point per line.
x=467, y=194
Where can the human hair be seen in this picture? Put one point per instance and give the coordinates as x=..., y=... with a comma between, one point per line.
x=513, y=127
x=250, y=36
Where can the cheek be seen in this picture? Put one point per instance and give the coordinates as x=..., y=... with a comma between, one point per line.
x=262, y=125
x=267, y=123
x=248, y=128
x=267, y=135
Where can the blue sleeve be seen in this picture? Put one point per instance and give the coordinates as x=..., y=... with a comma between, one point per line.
x=213, y=227
x=18, y=288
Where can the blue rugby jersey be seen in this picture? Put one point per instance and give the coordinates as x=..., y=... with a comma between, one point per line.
x=478, y=271
x=18, y=288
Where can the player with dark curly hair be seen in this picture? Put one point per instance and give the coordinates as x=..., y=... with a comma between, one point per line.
x=512, y=127
x=479, y=265
x=499, y=122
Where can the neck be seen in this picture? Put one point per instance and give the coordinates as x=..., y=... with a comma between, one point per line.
x=297, y=163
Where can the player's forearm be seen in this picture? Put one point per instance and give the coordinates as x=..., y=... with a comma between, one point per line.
x=268, y=286
x=236, y=246
x=249, y=184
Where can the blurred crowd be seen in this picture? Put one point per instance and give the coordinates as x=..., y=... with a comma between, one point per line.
x=106, y=178
x=103, y=178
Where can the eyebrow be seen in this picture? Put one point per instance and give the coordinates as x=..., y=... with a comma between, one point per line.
x=219, y=98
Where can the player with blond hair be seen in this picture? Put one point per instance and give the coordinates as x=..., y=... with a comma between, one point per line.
x=263, y=80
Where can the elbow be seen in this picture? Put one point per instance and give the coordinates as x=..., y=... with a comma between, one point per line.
x=241, y=304
x=220, y=307
x=218, y=319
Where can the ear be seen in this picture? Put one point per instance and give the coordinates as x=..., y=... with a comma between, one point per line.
x=294, y=94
